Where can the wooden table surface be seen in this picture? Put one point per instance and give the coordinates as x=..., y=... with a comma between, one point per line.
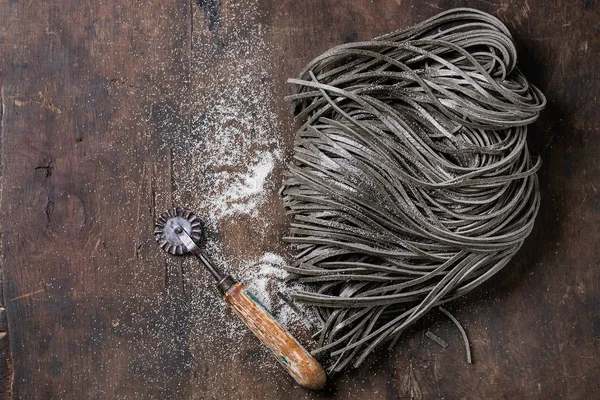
x=93, y=309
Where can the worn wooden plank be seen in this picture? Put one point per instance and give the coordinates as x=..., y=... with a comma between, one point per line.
x=100, y=103
x=82, y=172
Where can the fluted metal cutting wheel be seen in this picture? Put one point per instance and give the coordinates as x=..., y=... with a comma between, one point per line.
x=164, y=229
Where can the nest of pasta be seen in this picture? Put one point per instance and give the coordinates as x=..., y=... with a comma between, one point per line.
x=411, y=182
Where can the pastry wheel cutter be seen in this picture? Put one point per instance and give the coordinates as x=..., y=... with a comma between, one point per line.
x=179, y=231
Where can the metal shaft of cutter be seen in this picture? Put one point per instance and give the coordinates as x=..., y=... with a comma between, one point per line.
x=195, y=250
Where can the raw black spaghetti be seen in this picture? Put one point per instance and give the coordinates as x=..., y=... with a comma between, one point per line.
x=411, y=182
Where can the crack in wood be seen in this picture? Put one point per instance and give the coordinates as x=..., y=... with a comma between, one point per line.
x=47, y=167
x=49, y=210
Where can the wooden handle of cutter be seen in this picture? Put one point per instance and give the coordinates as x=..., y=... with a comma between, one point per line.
x=299, y=363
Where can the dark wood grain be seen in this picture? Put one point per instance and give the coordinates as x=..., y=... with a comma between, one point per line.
x=93, y=309
x=82, y=173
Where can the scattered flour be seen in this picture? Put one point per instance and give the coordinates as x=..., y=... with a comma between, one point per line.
x=265, y=279
x=242, y=193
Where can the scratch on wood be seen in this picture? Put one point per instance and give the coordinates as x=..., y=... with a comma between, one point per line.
x=410, y=386
x=77, y=194
x=27, y=295
x=97, y=244
x=47, y=103
x=432, y=5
